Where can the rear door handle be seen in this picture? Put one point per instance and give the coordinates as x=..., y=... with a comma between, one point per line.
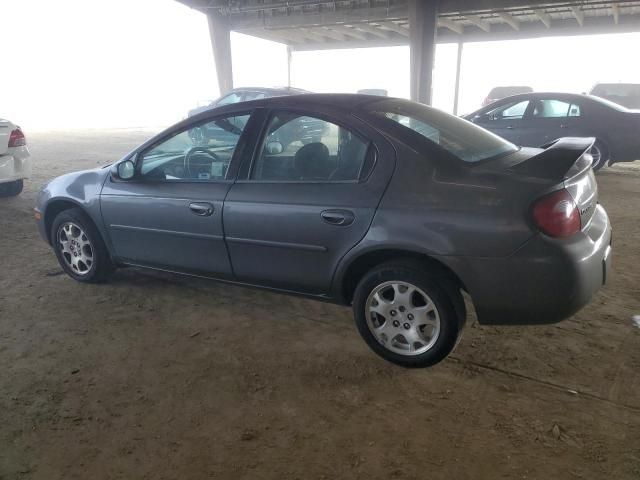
x=340, y=218
x=509, y=127
x=202, y=209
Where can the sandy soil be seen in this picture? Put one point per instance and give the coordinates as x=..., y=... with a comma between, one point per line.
x=161, y=377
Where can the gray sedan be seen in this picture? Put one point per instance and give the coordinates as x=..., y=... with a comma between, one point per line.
x=535, y=119
x=395, y=210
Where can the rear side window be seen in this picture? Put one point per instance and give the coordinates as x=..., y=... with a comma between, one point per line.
x=555, y=109
x=301, y=148
x=463, y=139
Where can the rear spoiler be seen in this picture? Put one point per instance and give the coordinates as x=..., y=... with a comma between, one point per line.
x=561, y=159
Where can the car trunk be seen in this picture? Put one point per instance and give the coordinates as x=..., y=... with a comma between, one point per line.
x=566, y=163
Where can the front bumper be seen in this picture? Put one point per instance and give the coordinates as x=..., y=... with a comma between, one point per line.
x=545, y=281
x=15, y=165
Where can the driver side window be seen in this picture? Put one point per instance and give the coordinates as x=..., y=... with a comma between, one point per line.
x=201, y=153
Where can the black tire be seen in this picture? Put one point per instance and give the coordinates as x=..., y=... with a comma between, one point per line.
x=441, y=292
x=603, y=161
x=11, y=189
x=101, y=266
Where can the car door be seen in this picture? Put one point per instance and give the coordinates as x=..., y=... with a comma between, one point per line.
x=549, y=119
x=302, y=205
x=504, y=119
x=169, y=215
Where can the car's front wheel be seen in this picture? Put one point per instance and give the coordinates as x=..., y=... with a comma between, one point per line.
x=79, y=247
x=407, y=316
x=11, y=189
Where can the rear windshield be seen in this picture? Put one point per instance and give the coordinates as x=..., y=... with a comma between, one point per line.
x=463, y=139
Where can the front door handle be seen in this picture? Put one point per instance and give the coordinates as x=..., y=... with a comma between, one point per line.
x=509, y=127
x=340, y=218
x=202, y=209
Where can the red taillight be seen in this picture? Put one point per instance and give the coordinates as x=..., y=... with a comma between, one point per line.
x=557, y=214
x=17, y=138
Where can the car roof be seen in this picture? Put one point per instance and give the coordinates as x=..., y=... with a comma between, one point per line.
x=537, y=95
x=525, y=88
x=544, y=95
x=340, y=102
x=278, y=90
x=593, y=99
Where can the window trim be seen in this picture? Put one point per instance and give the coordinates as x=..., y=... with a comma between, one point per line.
x=258, y=147
x=138, y=156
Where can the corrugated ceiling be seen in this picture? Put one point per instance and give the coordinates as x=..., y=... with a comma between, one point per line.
x=312, y=24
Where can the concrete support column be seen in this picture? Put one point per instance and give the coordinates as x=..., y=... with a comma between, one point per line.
x=456, y=95
x=423, y=25
x=221, y=43
x=289, y=58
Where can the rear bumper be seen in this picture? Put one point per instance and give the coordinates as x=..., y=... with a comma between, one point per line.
x=15, y=165
x=545, y=281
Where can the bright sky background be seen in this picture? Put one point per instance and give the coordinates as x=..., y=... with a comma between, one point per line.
x=123, y=63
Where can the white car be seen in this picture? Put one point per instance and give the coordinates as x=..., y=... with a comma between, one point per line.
x=15, y=165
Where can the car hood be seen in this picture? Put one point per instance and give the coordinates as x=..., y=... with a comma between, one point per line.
x=80, y=187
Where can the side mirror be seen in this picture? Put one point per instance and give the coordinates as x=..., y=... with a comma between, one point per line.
x=274, y=148
x=124, y=170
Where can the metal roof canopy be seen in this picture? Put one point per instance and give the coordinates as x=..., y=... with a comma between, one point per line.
x=319, y=25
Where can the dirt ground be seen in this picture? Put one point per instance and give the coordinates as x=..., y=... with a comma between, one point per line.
x=154, y=376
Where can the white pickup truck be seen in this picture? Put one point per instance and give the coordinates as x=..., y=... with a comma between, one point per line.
x=15, y=165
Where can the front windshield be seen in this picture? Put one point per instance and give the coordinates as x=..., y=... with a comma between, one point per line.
x=463, y=139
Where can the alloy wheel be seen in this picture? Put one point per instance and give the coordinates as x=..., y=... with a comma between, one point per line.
x=76, y=248
x=403, y=318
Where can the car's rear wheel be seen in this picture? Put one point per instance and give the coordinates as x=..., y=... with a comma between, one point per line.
x=406, y=315
x=600, y=154
x=11, y=189
x=79, y=247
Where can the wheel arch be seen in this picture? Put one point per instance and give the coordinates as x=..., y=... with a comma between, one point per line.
x=360, y=264
x=54, y=208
